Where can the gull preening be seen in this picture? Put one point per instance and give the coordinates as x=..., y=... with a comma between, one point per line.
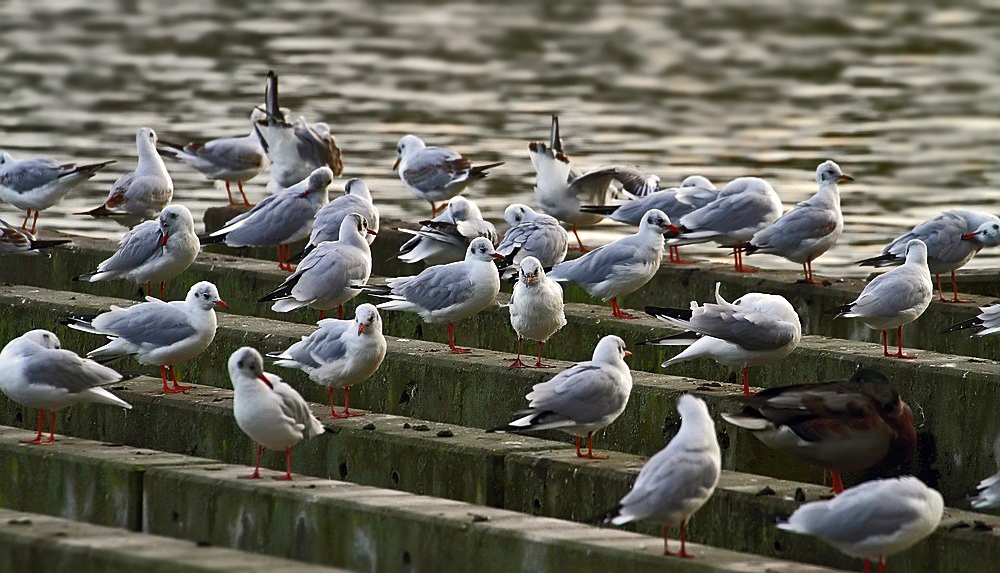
x=895, y=298
x=271, y=412
x=141, y=194
x=228, y=159
x=808, y=229
x=986, y=322
x=532, y=234
x=445, y=238
x=952, y=239
x=753, y=330
x=582, y=399
x=843, y=426
x=155, y=332
x=339, y=354
x=37, y=373
x=621, y=267
x=37, y=183
x=873, y=520
x=536, y=308
x=357, y=198
x=20, y=241
x=435, y=173
x=152, y=252
x=679, y=479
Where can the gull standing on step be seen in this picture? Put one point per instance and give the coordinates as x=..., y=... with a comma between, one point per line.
x=435, y=173
x=271, y=412
x=330, y=275
x=357, y=198
x=533, y=234
x=561, y=190
x=140, y=194
x=621, y=267
x=279, y=219
x=447, y=293
x=536, y=308
x=582, y=399
x=446, y=238
x=952, y=239
x=339, y=354
x=873, y=520
x=229, y=159
x=987, y=322
x=36, y=373
x=152, y=252
x=808, y=229
x=156, y=332
x=753, y=330
x=679, y=479
x=744, y=206
x=37, y=183
x=895, y=298
x=19, y=241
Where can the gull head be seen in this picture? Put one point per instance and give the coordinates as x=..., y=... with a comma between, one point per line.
x=481, y=249
x=830, y=172
x=355, y=223
x=697, y=181
x=175, y=219
x=517, y=213
x=368, y=319
x=145, y=136
x=530, y=271
x=611, y=350
x=205, y=295
x=689, y=406
x=987, y=234
x=462, y=209
x=42, y=338
x=916, y=252
x=656, y=221
x=247, y=364
x=408, y=145
x=318, y=181
x=357, y=187
x=6, y=158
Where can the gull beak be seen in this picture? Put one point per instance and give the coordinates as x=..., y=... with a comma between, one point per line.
x=361, y=328
x=395, y=165
x=627, y=354
x=842, y=178
x=304, y=193
x=163, y=241
x=969, y=236
x=671, y=231
x=264, y=379
x=370, y=232
x=498, y=256
x=221, y=304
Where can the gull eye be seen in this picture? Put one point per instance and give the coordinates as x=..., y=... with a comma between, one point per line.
x=205, y=296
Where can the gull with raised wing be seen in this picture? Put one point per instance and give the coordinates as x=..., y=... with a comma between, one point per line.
x=339, y=354
x=536, y=308
x=330, y=275
x=435, y=173
x=532, y=234
x=744, y=206
x=152, y=252
x=20, y=241
x=952, y=239
x=679, y=479
x=621, y=267
x=357, y=198
x=228, y=159
x=271, y=412
x=582, y=399
x=753, y=330
x=843, y=426
x=140, y=194
x=279, y=219
x=986, y=322
x=447, y=293
x=808, y=229
x=895, y=298
x=156, y=332
x=873, y=520
x=37, y=183
x=37, y=373
x=446, y=238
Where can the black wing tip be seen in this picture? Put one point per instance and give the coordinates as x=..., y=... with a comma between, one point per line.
x=48, y=243
x=843, y=309
x=970, y=323
x=666, y=311
x=608, y=515
x=599, y=209
x=209, y=239
x=876, y=261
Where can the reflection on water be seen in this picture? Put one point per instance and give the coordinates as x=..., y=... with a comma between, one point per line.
x=904, y=97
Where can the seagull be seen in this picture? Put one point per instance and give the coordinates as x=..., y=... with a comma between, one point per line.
x=952, y=239
x=230, y=159
x=339, y=354
x=621, y=267
x=536, y=308
x=156, y=332
x=295, y=150
x=744, y=206
x=271, y=412
x=141, y=194
x=279, y=219
x=153, y=251
x=533, y=234
x=810, y=228
x=987, y=322
x=447, y=293
x=37, y=183
x=753, y=330
x=561, y=190
x=326, y=225
x=435, y=173
x=894, y=298
x=843, y=426
x=14, y=240
x=37, y=373
x=679, y=479
x=872, y=520
x=987, y=493
x=582, y=399
x=329, y=275
x=446, y=238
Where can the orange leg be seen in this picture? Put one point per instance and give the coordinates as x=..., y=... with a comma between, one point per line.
x=177, y=387
x=590, y=455
x=451, y=340
x=347, y=404
x=885, y=343
x=746, y=382
x=881, y=564
x=899, y=343
x=683, y=552
x=674, y=256
x=149, y=288
x=738, y=258
x=245, y=200
x=517, y=362
x=322, y=314
x=163, y=290
x=256, y=469
x=52, y=429
x=838, y=484
x=340, y=311
x=617, y=312
x=34, y=224
x=581, y=247
x=230, y=194
x=954, y=289
x=24, y=223
x=808, y=269
x=940, y=290
x=434, y=210
x=288, y=466
x=538, y=363
x=38, y=434
x=868, y=565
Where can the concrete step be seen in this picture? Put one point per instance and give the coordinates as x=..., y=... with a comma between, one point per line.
x=342, y=524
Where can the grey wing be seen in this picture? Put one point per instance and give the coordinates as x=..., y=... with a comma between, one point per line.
x=136, y=247
x=292, y=403
x=888, y=293
x=671, y=477
x=264, y=204
x=154, y=322
x=242, y=154
x=437, y=287
x=30, y=174
x=936, y=232
x=726, y=214
x=64, y=369
x=584, y=393
x=595, y=266
x=274, y=224
x=802, y=223
x=434, y=168
x=865, y=517
x=330, y=269
x=311, y=146
x=122, y=184
x=750, y=330
x=472, y=228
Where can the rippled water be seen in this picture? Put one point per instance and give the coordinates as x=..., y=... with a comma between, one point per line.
x=904, y=97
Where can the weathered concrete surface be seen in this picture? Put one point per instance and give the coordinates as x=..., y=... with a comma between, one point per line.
x=33, y=542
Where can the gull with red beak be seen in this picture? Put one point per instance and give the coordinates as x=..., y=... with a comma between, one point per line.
x=156, y=332
x=536, y=308
x=154, y=251
x=435, y=173
x=271, y=412
x=278, y=220
x=340, y=354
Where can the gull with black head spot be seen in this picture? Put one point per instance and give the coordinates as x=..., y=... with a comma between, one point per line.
x=435, y=173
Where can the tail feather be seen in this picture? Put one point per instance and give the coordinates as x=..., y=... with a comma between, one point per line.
x=104, y=397
x=970, y=323
x=209, y=239
x=840, y=310
x=749, y=249
x=48, y=243
x=614, y=516
x=883, y=260
x=284, y=290
x=101, y=211
x=599, y=209
x=81, y=322
x=681, y=339
x=480, y=171
x=375, y=290
x=662, y=312
x=90, y=169
x=532, y=421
